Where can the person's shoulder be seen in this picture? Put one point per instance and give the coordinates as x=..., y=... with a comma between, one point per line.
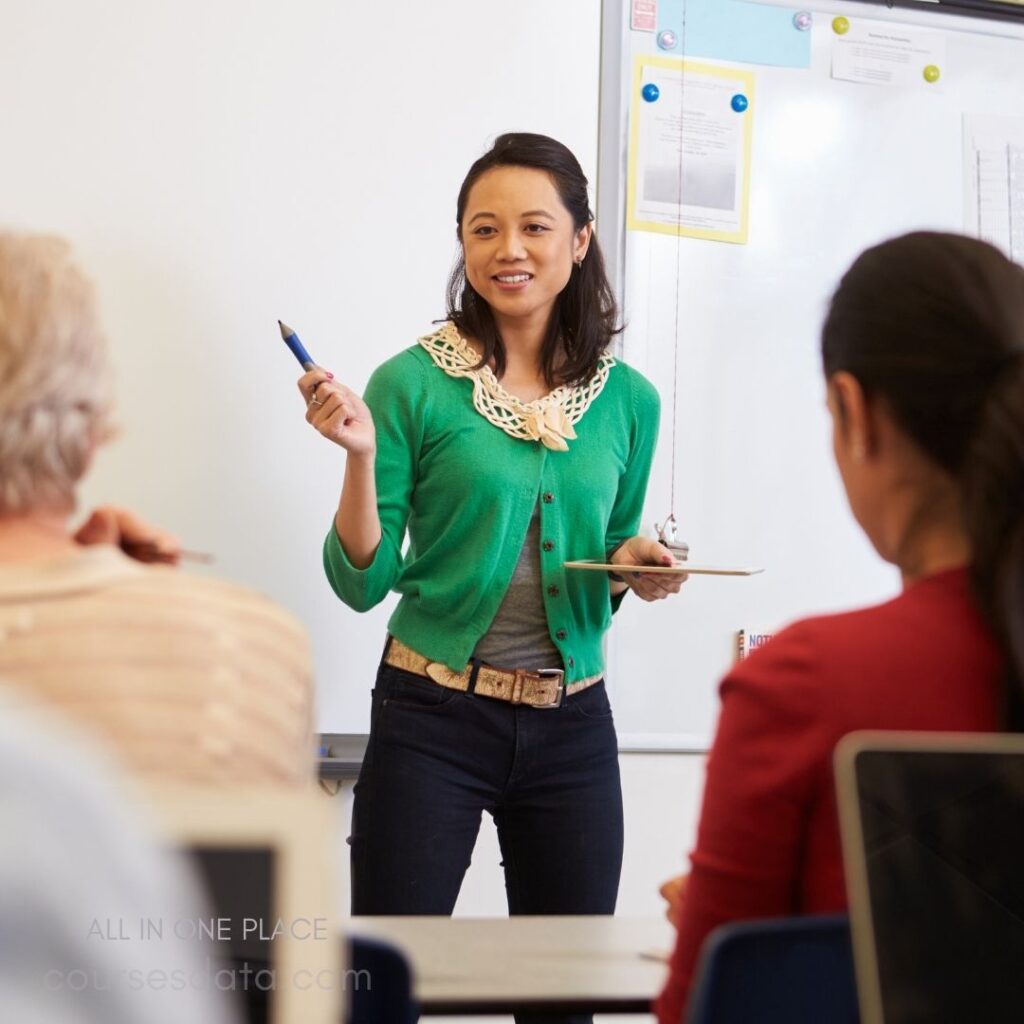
x=879, y=666
x=405, y=369
x=642, y=393
x=409, y=359
x=789, y=654
x=808, y=641
x=823, y=651
x=178, y=594
x=941, y=603
x=781, y=687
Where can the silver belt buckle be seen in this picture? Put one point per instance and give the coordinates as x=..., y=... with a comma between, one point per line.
x=546, y=673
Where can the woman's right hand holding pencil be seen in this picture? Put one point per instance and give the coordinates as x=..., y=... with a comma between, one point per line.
x=338, y=413
x=341, y=415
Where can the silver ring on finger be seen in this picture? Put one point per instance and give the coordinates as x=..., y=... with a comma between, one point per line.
x=313, y=401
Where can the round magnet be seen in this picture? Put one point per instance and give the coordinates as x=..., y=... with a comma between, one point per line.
x=932, y=73
x=667, y=39
x=803, y=20
x=739, y=103
x=650, y=92
x=840, y=25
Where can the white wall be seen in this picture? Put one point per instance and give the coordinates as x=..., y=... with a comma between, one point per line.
x=222, y=163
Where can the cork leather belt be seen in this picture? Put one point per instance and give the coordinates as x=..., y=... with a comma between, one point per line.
x=540, y=689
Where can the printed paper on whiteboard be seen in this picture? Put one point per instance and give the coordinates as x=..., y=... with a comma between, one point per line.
x=994, y=181
x=882, y=53
x=689, y=158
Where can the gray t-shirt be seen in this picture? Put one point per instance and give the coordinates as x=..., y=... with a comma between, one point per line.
x=518, y=636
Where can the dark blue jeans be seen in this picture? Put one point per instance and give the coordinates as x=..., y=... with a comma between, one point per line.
x=438, y=758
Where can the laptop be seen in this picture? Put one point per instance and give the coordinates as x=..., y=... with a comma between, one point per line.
x=933, y=845
x=270, y=928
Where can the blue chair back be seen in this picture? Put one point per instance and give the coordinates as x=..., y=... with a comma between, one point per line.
x=796, y=970
x=379, y=984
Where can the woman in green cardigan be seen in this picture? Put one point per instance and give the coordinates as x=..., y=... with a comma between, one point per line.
x=504, y=443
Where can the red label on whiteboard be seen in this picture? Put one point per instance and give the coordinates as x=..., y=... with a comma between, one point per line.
x=644, y=15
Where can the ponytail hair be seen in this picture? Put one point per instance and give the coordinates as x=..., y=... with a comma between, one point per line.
x=993, y=503
x=934, y=324
x=585, y=317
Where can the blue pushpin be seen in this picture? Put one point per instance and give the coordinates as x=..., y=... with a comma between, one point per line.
x=739, y=103
x=650, y=92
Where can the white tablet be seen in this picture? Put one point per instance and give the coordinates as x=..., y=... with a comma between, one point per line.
x=679, y=569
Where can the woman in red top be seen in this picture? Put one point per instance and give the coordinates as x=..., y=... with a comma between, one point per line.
x=923, y=352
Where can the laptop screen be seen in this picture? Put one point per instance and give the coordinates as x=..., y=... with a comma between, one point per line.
x=942, y=856
x=240, y=892
x=269, y=931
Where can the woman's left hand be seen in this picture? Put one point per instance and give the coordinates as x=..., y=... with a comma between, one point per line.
x=648, y=586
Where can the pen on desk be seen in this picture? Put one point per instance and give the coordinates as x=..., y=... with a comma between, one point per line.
x=291, y=339
x=149, y=551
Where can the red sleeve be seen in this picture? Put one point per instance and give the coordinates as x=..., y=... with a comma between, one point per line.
x=763, y=773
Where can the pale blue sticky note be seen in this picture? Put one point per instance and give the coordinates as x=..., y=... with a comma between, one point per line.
x=746, y=33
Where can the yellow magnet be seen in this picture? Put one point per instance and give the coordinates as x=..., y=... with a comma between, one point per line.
x=840, y=25
x=932, y=73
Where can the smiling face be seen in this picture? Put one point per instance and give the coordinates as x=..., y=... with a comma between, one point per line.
x=520, y=244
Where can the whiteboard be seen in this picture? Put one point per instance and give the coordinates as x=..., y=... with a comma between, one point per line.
x=836, y=166
x=220, y=165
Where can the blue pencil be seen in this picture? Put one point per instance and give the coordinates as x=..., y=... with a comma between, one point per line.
x=291, y=339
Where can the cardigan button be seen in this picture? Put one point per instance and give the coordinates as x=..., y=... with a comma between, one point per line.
x=572, y=662
x=547, y=497
x=561, y=634
x=548, y=545
x=553, y=590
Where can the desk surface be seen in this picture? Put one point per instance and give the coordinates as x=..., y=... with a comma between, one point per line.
x=499, y=965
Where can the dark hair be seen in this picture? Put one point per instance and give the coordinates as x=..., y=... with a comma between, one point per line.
x=934, y=324
x=585, y=317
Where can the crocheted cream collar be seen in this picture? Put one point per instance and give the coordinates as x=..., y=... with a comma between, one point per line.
x=549, y=419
